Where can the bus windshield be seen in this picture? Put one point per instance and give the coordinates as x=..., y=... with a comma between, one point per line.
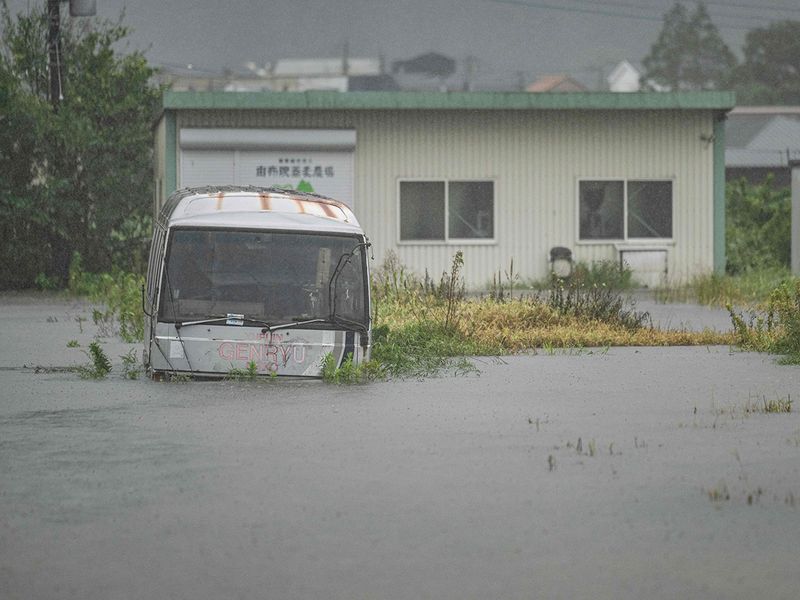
x=266, y=276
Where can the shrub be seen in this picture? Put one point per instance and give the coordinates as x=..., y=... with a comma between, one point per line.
x=596, y=302
x=119, y=291
x=777, y=329
x=758, y=226
x=606, y=273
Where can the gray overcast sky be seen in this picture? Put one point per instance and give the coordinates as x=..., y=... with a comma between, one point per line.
x=508, y=38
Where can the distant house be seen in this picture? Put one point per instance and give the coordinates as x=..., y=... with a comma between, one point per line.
x=556, y=83
x=291, y=75
x=332, y=74
x=624, y=78
x=760, y=141
x=627, y=78
x=635, y=178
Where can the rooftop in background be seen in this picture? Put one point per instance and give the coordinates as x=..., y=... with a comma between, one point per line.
x=762, y=136
x=760, y=141
x=556, y=83
x=324, y=67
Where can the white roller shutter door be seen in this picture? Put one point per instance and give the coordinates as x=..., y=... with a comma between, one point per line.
x=319, y=160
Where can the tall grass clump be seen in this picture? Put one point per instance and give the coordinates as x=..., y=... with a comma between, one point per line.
x=605, y=273
x=418, y=322
x=602, y=273
x=775, y=329
x=587, y=298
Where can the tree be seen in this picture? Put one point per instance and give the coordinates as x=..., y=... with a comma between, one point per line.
x=770, y=73
x=21, y=223
x=689, y=53
x=78, y=179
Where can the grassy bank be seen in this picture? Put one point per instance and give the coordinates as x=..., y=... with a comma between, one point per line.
x=423, y=326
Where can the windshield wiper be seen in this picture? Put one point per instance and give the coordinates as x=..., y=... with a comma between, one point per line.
x=335, y=320
x=293, y=324
x=238, y=320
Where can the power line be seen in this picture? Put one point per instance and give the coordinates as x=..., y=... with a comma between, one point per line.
x=616, y=14
x=713, y=13
x=734, y=5
x=755, y=6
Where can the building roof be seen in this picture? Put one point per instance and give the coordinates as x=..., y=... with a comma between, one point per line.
x=556, y=83
x=322, y=67
x=762, y=136
x=321, y=100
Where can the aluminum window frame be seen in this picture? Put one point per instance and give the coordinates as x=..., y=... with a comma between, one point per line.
x=448, y=241
x=625, y=237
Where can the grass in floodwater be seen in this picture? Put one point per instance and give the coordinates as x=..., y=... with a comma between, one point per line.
x=422, y=328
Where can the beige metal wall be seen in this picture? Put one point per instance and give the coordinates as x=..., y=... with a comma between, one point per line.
x=535, y=159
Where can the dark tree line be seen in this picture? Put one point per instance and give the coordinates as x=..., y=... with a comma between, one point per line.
x=690, y=54
x=79, y=178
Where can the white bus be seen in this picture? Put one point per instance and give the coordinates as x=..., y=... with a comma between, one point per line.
x=260, y=280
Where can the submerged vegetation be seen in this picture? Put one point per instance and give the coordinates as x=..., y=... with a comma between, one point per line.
x=750, y=289
x=426, y=327
x=119, y=292
x=775, y=328
x=422, y=327
x=99, y=365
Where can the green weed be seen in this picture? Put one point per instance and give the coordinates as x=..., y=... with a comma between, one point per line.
x=497, y=290
x=348, y=372
x=99, y=365
x=247, y=374
x=132, y=368
x=45, y=283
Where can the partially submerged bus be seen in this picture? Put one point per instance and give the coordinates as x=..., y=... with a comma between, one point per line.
x=258, y=280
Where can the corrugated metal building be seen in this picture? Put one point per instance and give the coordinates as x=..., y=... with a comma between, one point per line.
x=636, y=177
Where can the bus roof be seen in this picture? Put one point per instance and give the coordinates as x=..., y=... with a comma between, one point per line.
x=250, y=206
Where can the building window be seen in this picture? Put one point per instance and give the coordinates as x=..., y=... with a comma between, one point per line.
x=625, y=209
x=446, y=210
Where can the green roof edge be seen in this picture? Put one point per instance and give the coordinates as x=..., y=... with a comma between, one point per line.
x=320, y=100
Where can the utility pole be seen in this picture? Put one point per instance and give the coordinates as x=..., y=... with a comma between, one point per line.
x=54, y=51
x=470, y=63
x=77, y=8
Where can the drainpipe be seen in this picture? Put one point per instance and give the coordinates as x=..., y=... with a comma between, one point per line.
x=794, y=165
x=719, y=194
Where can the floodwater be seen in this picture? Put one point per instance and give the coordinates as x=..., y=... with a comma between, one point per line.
x=622, y=474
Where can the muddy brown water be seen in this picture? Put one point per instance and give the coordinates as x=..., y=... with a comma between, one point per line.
x=625, y=473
